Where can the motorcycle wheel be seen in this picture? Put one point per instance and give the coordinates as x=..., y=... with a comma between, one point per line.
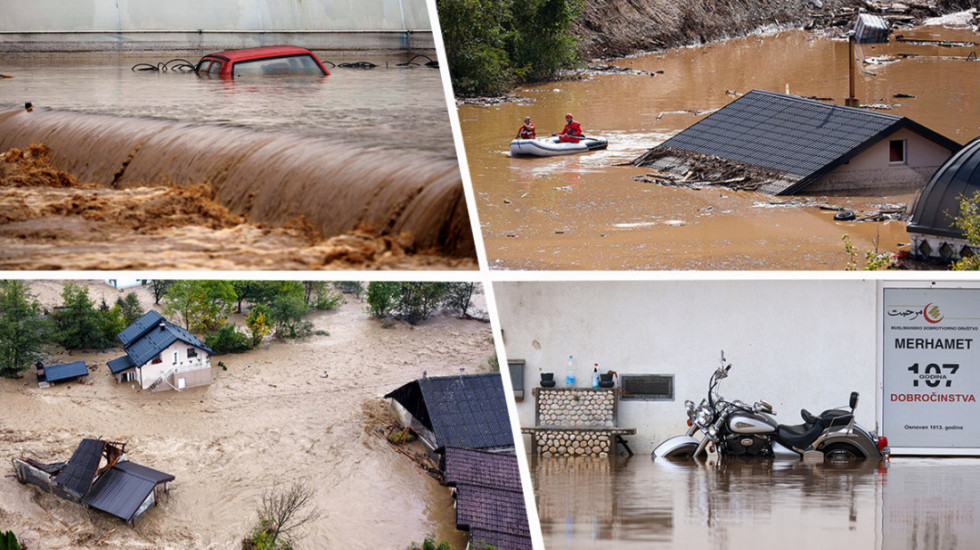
x=842, y=452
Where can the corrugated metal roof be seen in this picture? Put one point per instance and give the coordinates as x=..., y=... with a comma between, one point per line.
x=481, y=468
x=120, y=364
x=939, y=204
x=65, y=371
x=802, y=138
x=148, y=321
x=82, y=467
x=498, y=540
x=492, y=510
x=121, y=490
x=467, y=411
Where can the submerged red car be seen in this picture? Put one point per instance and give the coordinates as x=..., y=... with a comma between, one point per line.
x=262, y=61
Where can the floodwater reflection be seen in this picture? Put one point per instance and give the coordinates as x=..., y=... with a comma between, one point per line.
x=639, y=503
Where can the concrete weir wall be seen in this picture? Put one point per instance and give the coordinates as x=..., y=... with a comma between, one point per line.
x=143, y=25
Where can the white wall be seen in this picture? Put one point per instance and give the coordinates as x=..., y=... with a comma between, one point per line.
x=149, y=373
x=797, y=344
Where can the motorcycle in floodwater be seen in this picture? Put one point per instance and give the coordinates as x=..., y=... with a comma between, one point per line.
x=735, y=428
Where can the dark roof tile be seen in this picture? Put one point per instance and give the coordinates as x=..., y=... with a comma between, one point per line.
x=65, y=371
x=82, y=467
x=121, y=490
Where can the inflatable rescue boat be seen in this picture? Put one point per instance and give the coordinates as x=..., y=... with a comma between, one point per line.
x=550, y=147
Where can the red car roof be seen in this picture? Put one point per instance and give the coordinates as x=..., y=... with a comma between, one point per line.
x=260, y=52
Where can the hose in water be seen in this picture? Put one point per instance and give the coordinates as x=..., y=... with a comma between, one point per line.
x=429, y=62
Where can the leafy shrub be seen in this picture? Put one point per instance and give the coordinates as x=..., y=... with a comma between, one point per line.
x=228, y=340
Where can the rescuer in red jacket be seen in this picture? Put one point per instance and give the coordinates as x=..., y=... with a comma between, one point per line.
x=572, y=131
x=527, y=130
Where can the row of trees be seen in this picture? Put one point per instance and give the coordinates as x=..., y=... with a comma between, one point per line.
x=203, y=307
x=494, y=45
x=416, y=301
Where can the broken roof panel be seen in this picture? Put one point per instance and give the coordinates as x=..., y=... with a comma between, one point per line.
x=481, y=468
x=77, y=476
x=122, y=489
x=801, y=138
x=65, y=371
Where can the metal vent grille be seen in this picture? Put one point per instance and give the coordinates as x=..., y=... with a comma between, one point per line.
x=652, y=387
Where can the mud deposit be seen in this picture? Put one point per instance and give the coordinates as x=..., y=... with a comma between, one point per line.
x=349, y=155
x=588, y=211
x=271, y=416
x=639, y=503
x=50, y=220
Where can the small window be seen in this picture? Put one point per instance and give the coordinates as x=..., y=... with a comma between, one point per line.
x=516, y=368
x=296, y=65
x=896, y=151
x=202, y=67
x=157, y=360
x=647, y=387
x=191, y=353
x=215, y=69
x=175, y=357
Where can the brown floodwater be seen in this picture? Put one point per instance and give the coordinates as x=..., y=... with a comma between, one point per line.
x=640, y=503
x=358, y=150
x=587, y=212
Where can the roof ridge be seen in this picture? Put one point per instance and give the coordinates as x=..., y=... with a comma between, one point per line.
x=824, y=104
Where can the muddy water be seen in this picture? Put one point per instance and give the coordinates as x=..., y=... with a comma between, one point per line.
x=639, y=503
x=584, y=212
x=271, y=416
x=355, y=149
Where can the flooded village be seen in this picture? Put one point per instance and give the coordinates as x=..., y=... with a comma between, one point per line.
x=311, y=409
x=619, y=209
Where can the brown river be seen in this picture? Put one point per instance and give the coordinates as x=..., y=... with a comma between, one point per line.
x=587, y=212
x=639, y=503
x=295, y=173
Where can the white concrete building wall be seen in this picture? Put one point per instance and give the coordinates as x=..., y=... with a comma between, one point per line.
x=150, y=372
x=797, y=344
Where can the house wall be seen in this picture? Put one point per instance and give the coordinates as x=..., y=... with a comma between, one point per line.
x=797, y=344
x=196, y=371
x=870, y=172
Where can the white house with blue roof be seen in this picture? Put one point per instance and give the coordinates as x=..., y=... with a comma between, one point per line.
x=161, y=356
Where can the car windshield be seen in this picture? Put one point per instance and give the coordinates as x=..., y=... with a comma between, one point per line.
x=293, y=65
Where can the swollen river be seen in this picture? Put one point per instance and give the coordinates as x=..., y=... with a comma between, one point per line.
x=293, y=161
x=587, y=211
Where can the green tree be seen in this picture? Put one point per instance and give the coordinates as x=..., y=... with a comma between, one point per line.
x=111, y=321
x=159, y=289
x=382, y=298
x=78, y=323
x=259, y=323
x=22, y=330
x=968, y=221
x=283, y=511
x=286, y=312
x=350, y=287
x=419, y=300
x=227, y=339
x=130, y=307
x=459, y=297
x=8, y=541
x=201, y=306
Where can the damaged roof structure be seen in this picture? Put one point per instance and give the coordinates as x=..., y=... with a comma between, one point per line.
x=161, y=355
x=791, y=145
x=99, y=476
x=467, y=411
x=489, y=500
x=932, y=225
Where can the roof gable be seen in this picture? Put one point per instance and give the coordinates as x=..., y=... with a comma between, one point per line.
x=151, y=339
x=802, y=138
x=122, y=489
x=467, y=411
x=140, y=327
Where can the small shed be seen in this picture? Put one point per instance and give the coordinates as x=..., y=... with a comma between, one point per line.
x=127, y=490
x=47, y=375
x=467, y=411
x=795, y=145
x=931, y=227
x=489, y=499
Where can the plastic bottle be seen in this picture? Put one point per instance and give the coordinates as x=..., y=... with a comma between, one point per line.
x=595, y=376
x=570, y=376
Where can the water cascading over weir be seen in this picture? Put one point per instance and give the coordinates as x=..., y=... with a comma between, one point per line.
x=269, y=177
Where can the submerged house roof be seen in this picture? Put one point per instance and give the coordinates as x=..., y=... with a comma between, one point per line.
x=489, y=500
x=467, y=411
x=79, y=473
x=939, y=204
x=123, y=488
x=65, y=371
x=803, y=139
x=148, y=337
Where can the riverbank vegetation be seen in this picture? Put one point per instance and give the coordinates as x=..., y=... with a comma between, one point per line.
x=494, y=45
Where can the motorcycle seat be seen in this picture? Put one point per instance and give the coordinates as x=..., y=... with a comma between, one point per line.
x=800, y=436
x=808, y=417
x=830, y=417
